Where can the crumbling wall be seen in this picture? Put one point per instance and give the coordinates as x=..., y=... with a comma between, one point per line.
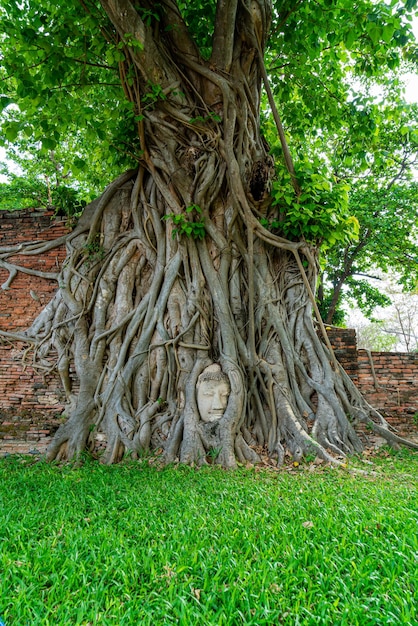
x=31, y=401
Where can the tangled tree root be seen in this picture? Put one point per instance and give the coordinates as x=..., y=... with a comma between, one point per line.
x=141, y=315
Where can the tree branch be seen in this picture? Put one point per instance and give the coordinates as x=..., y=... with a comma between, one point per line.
x=285, y=147
x=132, y=30
x=223, y=38
x=178, y=32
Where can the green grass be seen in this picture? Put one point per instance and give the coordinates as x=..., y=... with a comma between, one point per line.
x=133, y=545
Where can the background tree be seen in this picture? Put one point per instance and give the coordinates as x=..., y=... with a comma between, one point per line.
x=383, y=198
x=19, y=192
x=41, y=182
x=393, y=328
x=402, y=322
x=204, y=252
x=372, y=336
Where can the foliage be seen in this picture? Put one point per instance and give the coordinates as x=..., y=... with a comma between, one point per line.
x=373, y=337
x=66, y=201
x=338, y=82
x=22, y=192
x=383, y=198
x=367, y=296
x=199, y=17
x=320, y=214
x=45, y=180
x=194, y=228
x=30, y=192
x=323, y=59
x=287, y=547
x=324, y=56
x=61, y=89
x=94, y=249
x=324, y=300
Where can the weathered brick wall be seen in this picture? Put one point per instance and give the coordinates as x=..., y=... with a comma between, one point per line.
x=27, y=295
x=389, y=381
x=344, y=342
x=31, y=402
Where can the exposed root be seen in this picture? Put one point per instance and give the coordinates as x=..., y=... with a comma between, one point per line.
x=142, y=325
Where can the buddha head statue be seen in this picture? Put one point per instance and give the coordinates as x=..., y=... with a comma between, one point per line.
x=213, y=391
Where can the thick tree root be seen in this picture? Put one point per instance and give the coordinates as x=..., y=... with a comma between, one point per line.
x=141, y=323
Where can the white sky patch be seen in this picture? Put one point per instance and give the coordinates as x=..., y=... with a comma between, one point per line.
x=411, y=80
x=411, y=90
x=12, y=167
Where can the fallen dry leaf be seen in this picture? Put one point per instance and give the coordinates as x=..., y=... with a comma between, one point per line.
x=196, y=593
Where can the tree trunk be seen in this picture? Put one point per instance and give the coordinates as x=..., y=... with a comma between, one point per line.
x=188, y=325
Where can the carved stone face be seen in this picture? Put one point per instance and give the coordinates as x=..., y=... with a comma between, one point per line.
x=212, y=393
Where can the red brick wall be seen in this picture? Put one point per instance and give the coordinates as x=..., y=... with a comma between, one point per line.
x=17, y=307
x=389, y=381
x=344, y=342
x=23, y=391
x=30, y=402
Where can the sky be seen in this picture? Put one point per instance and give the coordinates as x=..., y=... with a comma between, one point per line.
x=411, y=92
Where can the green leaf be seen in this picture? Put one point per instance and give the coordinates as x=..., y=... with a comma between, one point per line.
x=4, y=102
x=11, y=130
x=375, y=34
x=350, y=38
x=48, y=143
x=79, y=164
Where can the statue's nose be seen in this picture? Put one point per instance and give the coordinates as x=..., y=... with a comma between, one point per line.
x=217, y=402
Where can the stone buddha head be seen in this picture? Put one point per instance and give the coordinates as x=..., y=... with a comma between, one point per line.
x=213, y=391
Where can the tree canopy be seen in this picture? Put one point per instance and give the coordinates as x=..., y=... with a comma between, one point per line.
x=383, y=197
x=62, y=91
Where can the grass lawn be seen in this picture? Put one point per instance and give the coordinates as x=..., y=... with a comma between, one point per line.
x=134, y=545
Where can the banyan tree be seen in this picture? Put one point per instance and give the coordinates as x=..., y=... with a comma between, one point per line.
x=184, y=319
